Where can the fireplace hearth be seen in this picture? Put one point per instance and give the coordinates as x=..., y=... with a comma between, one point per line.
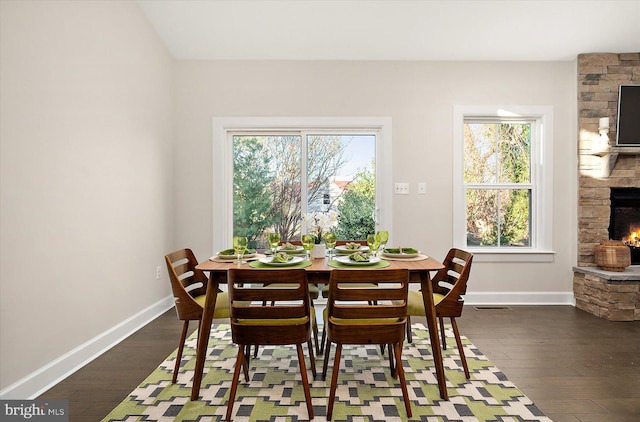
x=624, y=223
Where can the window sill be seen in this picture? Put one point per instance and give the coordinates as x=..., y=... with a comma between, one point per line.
x=483, y=255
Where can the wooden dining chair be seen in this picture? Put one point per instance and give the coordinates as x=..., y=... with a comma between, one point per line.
x=189, y=287
x=361, y=314
x=314, y=293
x=270, y=316
x=449, y=287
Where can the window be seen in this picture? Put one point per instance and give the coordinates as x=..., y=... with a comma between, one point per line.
x=502, y=181
x=277, y=170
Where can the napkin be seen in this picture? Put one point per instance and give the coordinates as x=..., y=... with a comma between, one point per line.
x=288, y=247
x=401, y=250
x=359, y=257
x=281, y=257
x=232, y=251
x=352, y=246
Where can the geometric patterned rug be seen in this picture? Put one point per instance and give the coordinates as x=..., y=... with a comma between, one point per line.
x=366, y=391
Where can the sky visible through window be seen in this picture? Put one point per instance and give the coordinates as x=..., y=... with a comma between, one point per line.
x=359, y=153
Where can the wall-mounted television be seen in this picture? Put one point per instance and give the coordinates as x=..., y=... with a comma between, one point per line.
x=628, y=116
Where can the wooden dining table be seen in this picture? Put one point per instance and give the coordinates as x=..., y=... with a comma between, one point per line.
x=318, y=273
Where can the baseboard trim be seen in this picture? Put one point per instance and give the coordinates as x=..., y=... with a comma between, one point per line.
x=36, y=383
x=520, y=298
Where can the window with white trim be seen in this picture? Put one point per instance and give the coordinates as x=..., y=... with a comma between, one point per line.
x=503, y=180
x=276, y=170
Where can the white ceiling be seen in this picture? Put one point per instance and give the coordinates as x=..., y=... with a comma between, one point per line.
x=394, y=29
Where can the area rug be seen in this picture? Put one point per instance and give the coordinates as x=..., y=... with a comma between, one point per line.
x=366, y=391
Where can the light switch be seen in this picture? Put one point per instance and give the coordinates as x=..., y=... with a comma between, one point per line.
x=401, y=189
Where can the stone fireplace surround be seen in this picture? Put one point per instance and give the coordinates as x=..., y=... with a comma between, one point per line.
x=611, y=295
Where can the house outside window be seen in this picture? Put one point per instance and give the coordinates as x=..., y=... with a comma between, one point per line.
x=503, y=182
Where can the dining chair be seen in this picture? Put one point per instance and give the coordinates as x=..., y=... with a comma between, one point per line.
x=269, y=316
x=449, y=287
x=359, y=313
x=189, y=287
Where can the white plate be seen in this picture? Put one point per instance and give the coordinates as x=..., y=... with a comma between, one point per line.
x=342, y=249
x=400, y=255
x=347, y=261
x=294, y=261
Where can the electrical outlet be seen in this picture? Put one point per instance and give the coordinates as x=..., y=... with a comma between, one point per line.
x=422, y=188
x=401, y=189
x=158, y=271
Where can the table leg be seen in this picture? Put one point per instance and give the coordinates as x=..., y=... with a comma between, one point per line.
x=430, y=312
x=204, y=331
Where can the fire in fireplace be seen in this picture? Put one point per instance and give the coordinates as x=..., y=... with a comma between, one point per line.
x=624, y=223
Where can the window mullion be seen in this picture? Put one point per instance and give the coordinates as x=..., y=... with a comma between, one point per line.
x=304, y=177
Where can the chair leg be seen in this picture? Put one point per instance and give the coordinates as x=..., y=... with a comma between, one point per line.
x=392, y=366
x=403, y=382
x=463, y=358
x=409, y=333
x=312, y=359
x=245, y=362
x=444, y=339
x=323, y=341
x=183, y=337
x=305, y=380
x=316, y=338
x=234, y=384
x=326, y=361
x=334, y=381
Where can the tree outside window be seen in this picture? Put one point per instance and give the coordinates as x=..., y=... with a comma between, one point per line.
x=270, y=184
x=497, y=177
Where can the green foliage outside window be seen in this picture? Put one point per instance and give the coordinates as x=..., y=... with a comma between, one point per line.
x=251, y=180
x=355, y=219
x=497, y=171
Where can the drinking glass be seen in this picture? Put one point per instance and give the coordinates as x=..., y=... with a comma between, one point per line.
x=383, y=237
x=330, y=242
x=307, y=243
x=240, y=245
x=373, y=241
x=274, y=241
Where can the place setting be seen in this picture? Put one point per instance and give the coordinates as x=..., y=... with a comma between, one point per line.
x=403, y=254
x=354, y=255
x=239, y=254
x=279, y=256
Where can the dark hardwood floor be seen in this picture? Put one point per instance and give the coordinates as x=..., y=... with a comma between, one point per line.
x=574, y=366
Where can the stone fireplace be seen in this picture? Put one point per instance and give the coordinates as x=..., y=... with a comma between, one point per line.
x=603, y=170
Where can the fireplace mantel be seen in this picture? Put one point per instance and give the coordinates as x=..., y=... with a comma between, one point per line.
x=610, y=155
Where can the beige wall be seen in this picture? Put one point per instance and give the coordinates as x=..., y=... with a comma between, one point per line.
x=89, y=99
x=419, y=97
x=86, y=189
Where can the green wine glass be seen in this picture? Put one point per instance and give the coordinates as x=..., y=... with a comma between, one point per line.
x=240, y=245
x=373, y=241
x=307, y=243
x=383, y=237
x=330, y=242
x=274, y=241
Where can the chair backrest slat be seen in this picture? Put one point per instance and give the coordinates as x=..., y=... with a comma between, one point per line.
x=261, y=315
x=452, y=280
x=387, y=300
x=186, y=282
